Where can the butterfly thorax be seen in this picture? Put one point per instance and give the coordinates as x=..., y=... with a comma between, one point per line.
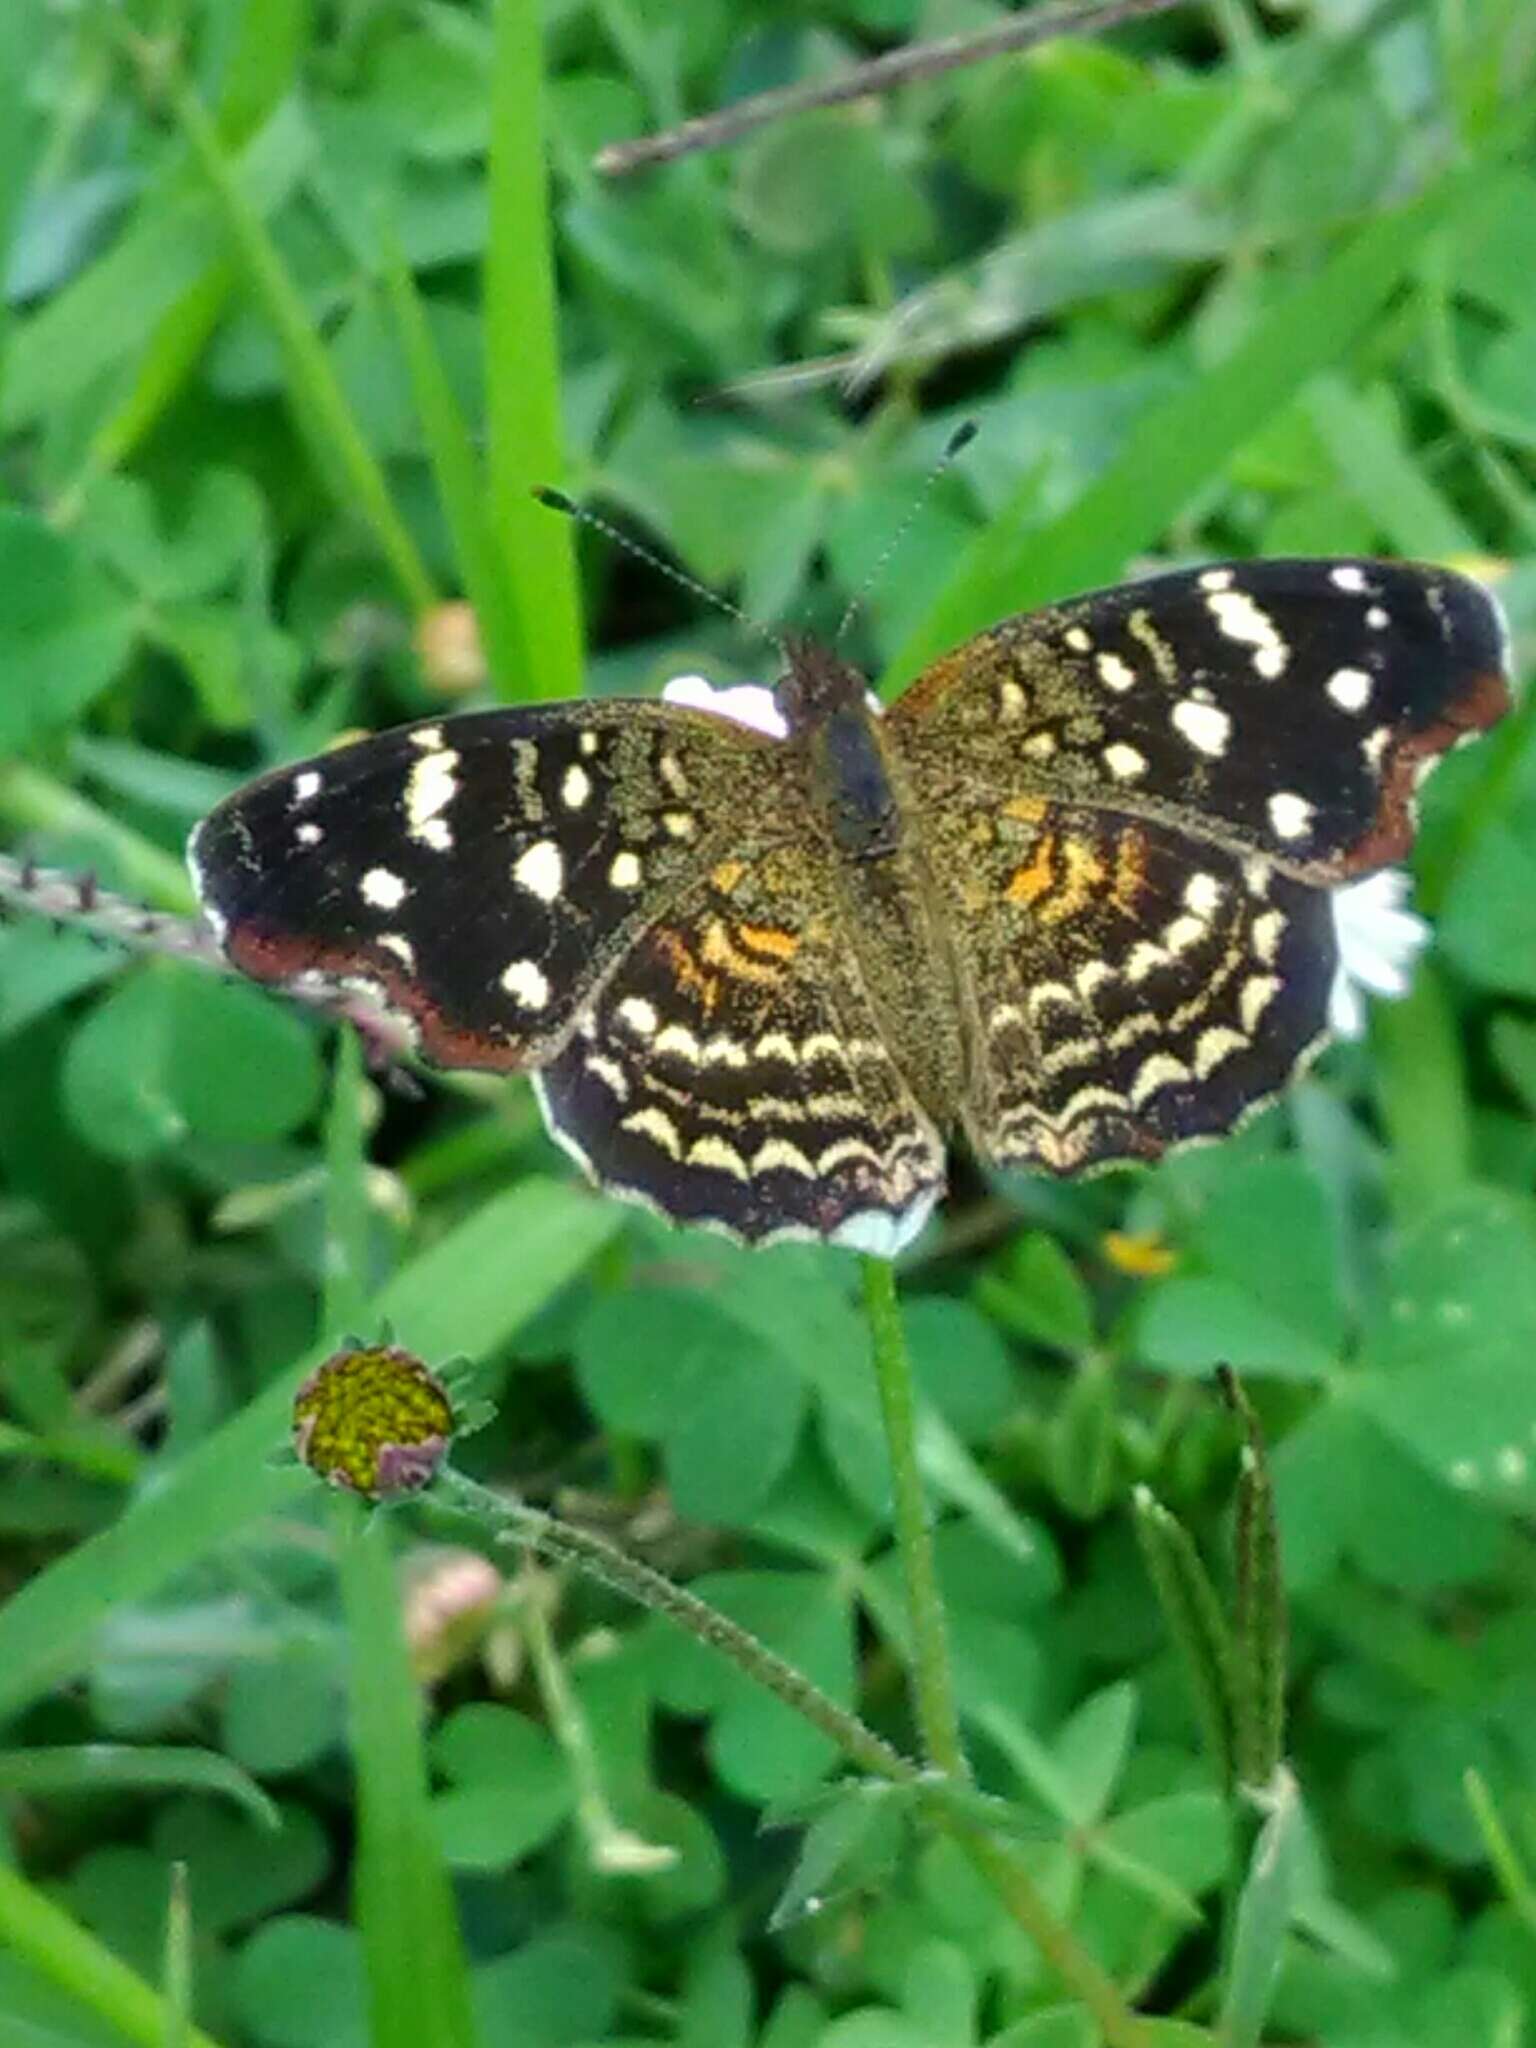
x=890, y=902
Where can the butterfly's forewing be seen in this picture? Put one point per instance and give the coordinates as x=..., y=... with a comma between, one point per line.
x=1134, y=803
x=1288, y=708
x=479, y=875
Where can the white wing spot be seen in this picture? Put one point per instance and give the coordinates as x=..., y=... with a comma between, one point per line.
x=1202, y=894
x=680, y=824
x=307, y=786
x=308, y=834
x=385, y=891
x=1291, y=815
x=1162, y=1070
x=638, y=1014
x=715, y=1152
x=1348, y=577
x=1124, y=762
x=428, y=737
x=429, y=789
x=527, y=984
x=1115, y=673
x=1377, y=617
x=778, y=1152
x=1268, y=929
x=1259, y=991
x=1216, y=579
x=1214, y=1045
x=655, y=1124
x=540, y=869
x=1350, y=688
x=625, y=871
x=398, y=944
x=1239, y=618
x=1040, y=745
x=1011, y=701
x=1206, y=726
x=1078, y=639
x=576, y=787
x=588, y=744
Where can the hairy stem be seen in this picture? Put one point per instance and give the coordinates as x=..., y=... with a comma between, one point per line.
x=932, y=1679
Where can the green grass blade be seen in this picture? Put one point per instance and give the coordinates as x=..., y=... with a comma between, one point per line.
x=319, y=403
x=59, y=1949
x=120, y=1767
x=1379, y=473
x=460, y=485
x=418, y=1979
x=1180, y=445
x=1264, y=1915
x=346, y=1197
x=468, y=1293
x=522, y=360
x=178, y=1962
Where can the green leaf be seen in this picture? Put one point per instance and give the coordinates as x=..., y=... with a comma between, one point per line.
x=1091, y=1749
x=555, y=1991
x=509, y=1789
x=65, y=631
x=1046, y=1298
x=283, y=1713
x=72, y=1770
x=157, y=1061
x=1264, y=1912
x=1451, y=1353
x=1189, y=1325
x=299, y=1984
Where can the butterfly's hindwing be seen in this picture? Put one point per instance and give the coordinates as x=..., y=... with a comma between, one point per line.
x=1286, y=707
x=1132, y=989
x=731, y=1071
x=479, y=875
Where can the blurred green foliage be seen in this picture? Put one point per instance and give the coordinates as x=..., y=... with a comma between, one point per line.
x=276, y=366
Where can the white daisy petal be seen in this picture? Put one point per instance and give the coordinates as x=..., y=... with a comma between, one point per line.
x=1380, y=940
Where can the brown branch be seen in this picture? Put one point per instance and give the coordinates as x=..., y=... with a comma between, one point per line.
x=882, y=74
x=79, y=900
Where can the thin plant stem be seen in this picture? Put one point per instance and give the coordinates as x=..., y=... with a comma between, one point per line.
x=565, y=1543
x=912, y=62
x=932, y=1679
x=1054, y=1939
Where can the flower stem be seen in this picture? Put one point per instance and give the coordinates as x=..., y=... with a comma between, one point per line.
x=564, y=1542
x=933, y=1681
x=1055, y=1940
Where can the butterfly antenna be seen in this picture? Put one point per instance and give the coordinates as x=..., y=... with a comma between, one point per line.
x=557, y=501
x=955, y=446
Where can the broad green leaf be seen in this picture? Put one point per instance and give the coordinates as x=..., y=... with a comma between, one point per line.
x=1451, y=1354
x=508, y=1789
x=159, y=1060
x=65, y=630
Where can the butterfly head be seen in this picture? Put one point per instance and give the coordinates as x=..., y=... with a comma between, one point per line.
x=825, y=702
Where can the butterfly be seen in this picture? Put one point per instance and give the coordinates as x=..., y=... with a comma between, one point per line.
x=1068, y=897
